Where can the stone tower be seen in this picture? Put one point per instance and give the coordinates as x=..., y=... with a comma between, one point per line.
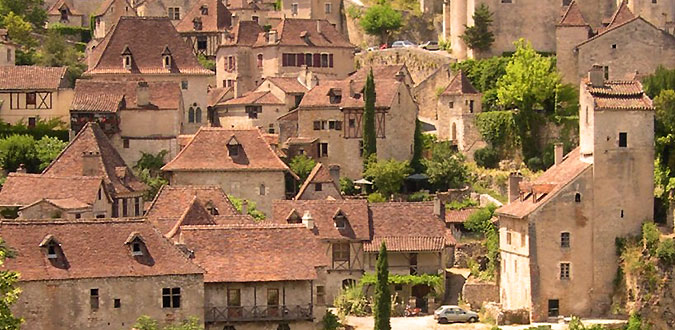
x=661, y=13
x=570, y=31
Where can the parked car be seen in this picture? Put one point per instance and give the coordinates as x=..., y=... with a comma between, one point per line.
x=372, y=49
x=403, y=44
x=452, y=313
x=430, y=45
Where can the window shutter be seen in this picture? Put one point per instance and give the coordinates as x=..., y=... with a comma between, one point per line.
x=330, y=60
x=301, y=59
x=317, y=60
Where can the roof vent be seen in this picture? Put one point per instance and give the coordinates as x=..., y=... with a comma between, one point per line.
x=307, y=220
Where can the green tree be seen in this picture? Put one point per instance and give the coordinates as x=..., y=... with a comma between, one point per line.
x=664, y=103
x=446, y=168
x=664, y=166
x=661, y=79
x=388, y=175
x=145, y=322
x=382, y=310
x=47, y=149
x=152, y=162
x=479, y=37
x=148, y=169
x=18, y=30
x=381, y=20
x=9, y=293
x=369, y=133
x=55, y=51
x=251, y=207
x=207, y=63
x=302, y=166
x=19, y=149
x=31, y=11
x=418, y=146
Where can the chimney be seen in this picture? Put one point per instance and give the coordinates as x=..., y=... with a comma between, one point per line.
x=439, y=209
x=597, y=76
x=272, y=37
x=244, y=207
x=400, y=76
x=558, y=153
x=142, y=94
x=318, y=26
x=21, y=169
x=334, y=171
x=308, y=221
x=90, y=163
x=514, y=185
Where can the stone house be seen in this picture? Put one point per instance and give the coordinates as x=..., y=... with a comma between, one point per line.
x=329, y=10
x=90, y=153
x=104, y=272
x=323, y=182
x=43, y=196
x=158, y=54
x=29, y=93
x=619, y=47
x=105, y=17
x=239, y=161
x=248, y=55
x=257, y=276
x=204, y=26
x=557, y=233
x=7, y=48
x=124, y=109
x=261, y=12
x=457, y=108
x=63, y=12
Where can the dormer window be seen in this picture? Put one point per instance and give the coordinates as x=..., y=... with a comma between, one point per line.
x=335, y=95
x=233, y=147
x=136, y=249
x=136, y=243
x=340, y=220
x=126, y=58
x=204, y=9
x=294, y=217
x=211, y=208
x=51, y=251
x=51, y=246
x=197, y=22
x=166, y=58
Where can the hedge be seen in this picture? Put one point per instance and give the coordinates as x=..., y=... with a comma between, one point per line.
x=36, y=133
x=83, y=33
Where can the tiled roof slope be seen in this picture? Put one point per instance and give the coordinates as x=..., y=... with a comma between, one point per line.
x=146, y=49
x=245, y=33
x=195, y=214
x=289, y=85
x=319, y=174
x=254, y=253
x=255, y=98
x=409, y=226
x=207, y=151
x=92, y=249
x=620, y=95
x=217, y=18
x=622, y=15
x=407, y=244
x=217, y=96
x=56, y=7
x=24, y=189
x=92, y=139
x=317, y=33
x=573, y=16
x=385, y=89
x=32, y=77
x=460, y=85
x=110, y=96
x=552, y=181
x=323, y=211
x=458, y=216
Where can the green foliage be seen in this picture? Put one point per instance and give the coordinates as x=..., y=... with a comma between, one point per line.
x=650, y=236
x=148, y=169
x=664, y=165
x=369, y=132
x=376, y=197
x=446, y=168
x=206, y=63
x=278, y=5
x=18, y=29
x=19, y=149
x=32, y=11
x=330, y=321
x=666, y=252
x=418, y=146
x=486, y=157
x=387, y=175
x=664, y=103
x=251, y=208
x=302, y=165
x=48, y=148
x=347, y=186
x=9, y=293
x=498, y=129
x=152, y=162
x=430, y=280
x=479, y=37
x=635, y=323
x=382, y=310
x=80, y=32
x=483, y=73
x=446, y=46
x=145, y=322
x=381, y=20
x=420, y=196
x=354, y=12
x=53, y=127
x=351, y=301
x=56, y=52
x=460, y=205
x=576, y=324
x=479, y=221
x=535, y=164
x=661, y=79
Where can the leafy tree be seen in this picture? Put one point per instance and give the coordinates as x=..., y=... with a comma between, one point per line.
x=18, y=30
x=148, y=169
x=302, y=166
x=19, y=149
x=369, y=133
x=154, y=183
x=418, y=144
x=664, y=166
x=479, y=37
x=9, y=293
x=57, y=52
x=661, y=79
x=251, y=208
x=31, y=11
x=330, y=321
x=446, y=168
x=151, y=162
x=145, y=322
x=382, y=311
x=388, y=175
x=376, y=197
x=48, y=148
x=665, y=112
x=206, y=63
x=381, y=20
x=486, y=157
x=347, y=186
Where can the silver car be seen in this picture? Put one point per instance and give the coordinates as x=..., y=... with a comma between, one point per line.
x=403, y=44
x=452, y=313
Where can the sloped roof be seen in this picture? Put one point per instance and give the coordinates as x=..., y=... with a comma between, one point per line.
x=92, y=139
x=92, y=248
x=385, y=90
x=56, y=7
x=62, y=203
x=460, y=85
x=146, y=49
x=207, y=151
x=110, y=96
x=32, y=77
x=289, y=85
x=406, y=244
x=408, y=227
x=620, y=95
x=25, y=189
x=245, y=33
x=573, y=16
x=319, y=174
x=195, y=214
x=217, y=95
x=622, y=15
x=323, y=211
x=304, y=32
x=255, y=253
x=260, y=98
x=620, y=26
x=217, y=18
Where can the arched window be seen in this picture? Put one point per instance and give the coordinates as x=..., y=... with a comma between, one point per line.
x=191, y=115
x=577, y=197
x=198, y=115
x=262, y=190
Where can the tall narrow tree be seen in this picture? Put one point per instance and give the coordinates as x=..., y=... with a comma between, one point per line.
x=478, y=36
x=382, y=312
x=369, y=133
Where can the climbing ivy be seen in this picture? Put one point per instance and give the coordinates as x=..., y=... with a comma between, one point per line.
x=498, y=129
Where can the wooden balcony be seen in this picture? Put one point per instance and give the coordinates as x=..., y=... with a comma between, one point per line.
x=258, y=313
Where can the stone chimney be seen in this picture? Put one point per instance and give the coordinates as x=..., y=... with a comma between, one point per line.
x=142, y=94
x=21, y=168
x=439, y=209
x=90, y=163
x=272, y=37
x=597, y=76
x=558, y=153
x=334, y=171
x=318, y=26
x=514, y=185
x=308, y=221
x=244, y=207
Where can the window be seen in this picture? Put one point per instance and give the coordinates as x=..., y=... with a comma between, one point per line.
x=254, y=18
x=335, y=96
x=64, y=14
x=565, y=240
x=136, y=249
x=137, y=206
x=78, y=215
x=328, y=7
x=613, y=46
x=31, y=98
x=32, y=122
x=115, y=209
x=234, y=297
x=360, y=148
x=317, y=125
x=320, y=295
x=260, y=60
x=566, y=2
x=201, y=43
x=352, y=123
x=508, y=238
x=294, y=9
x=507, y=1
x=253, y=111
x=323, y=149
x=184, y=84
x=9, y=55
x=174, y=13
x=93, y=299
x=451, y=105
x=564, y=270
x=606, y=69
x=204, y=9
x=270, y=129
x=298, y=99
x=99, y=193
x=198, y=115
x=341, y=252
x=231, y=63
x=653, y=1
x=340, y=221
x=117, y=303
x=623, y=140
x=261, y=190
x=125, y=211
x=191, y=115
x=553, y=308
x=171, y=298
x=318, y=187
x=577, y=198
x=308, y=60
x=127, y=62
x=413, y=264
x=51, y=251
x=233, y=150
x=125, y=143
x=621, y=213
x=166, y=61
x=324, y=60
x=471, y=106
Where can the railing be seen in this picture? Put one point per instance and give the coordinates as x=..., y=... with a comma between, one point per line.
x=258, y=313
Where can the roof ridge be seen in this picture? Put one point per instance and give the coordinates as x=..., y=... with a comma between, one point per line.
x=257, y=226
x=62, y=221
x=572, y=6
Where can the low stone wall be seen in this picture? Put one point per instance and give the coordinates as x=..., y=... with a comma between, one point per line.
x=477, y=294
x=505, y=317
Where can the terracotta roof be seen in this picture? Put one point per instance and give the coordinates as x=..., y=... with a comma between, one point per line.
x=289, y=85
x=146, y=49
x=573, y=16
x=245, y=33
x=194, y=214
x=555, y=178
x=458, y=216
x=92, y=249
x=218, y=95
x=408, y=222
x=319, y=174
x=318, y=96
x=406, y=244
x=32, y=78
x=217, y=18
x=91, y=139
x=620, y=94
x=254, y=98
x=290, y=32
x=63, y=203
x=25, y=189
x=460, y=85
x=208, y=151
x=237, y=219
x=56, y=7
x=254, y=253
x=103, y=7
x=622, y=15
x=110, y=96
x=323, y=212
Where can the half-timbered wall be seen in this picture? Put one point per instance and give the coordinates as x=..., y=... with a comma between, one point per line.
x=28, y=105
x=30, y=100
x=205, y=44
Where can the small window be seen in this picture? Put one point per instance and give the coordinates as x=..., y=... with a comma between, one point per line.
x=233, y=150
x=125, y=211
x=136, y=249
x=606, y=70
x=318, y=187
x=261, y=190
x=451, y=105
x=566, y=2
x=260, y=60
x=613, y=46
x=320, y=295
x=340, y=221
x=621, y=213
x=174, y=13
x=202, y=43
x=653, y=1
x=198, y=115
x=184, y=84
x=471, y=106
x=171, y=298
x=294, y=9
x=508, y=238
x=117, y=303
x=191, y=115
x=253, y=111
x=32, y=121
x=317, y=125
x=324, y=60
x=565, y=271
x=137, y=206
x=31, y=98
x=352, y=123
x=234, y=297
x=565, y=240
x=323, y=149
x=623, y=140
x=125, y=143
x=341, y=252
x=51, y=251
x=9, y=55
x=553, y=308
x=270, y=129
x=167, y=61
x=254, y=18
x=328, y=7
x=506, y=1
x=127, y=62
x=577, y=198
x=78, y=215
x=93, y=299
x=204, y=9
x=100, y=192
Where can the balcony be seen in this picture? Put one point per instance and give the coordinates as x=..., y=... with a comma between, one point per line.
x=258, y=313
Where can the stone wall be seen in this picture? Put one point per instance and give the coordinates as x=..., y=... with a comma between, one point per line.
x=466, y=251
x=476, y=294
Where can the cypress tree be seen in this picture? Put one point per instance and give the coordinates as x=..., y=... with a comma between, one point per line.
x=382, y=311
x=416, y=162
x=479, y=37
x=369, y=133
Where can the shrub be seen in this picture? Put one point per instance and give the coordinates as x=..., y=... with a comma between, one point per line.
x=419, y=196
x=251, y=210
x=351, y=301
x=330, y=321
x=635, y=323
x=487, y=157
x=650, y=236
x=535, y=164
x=666, y=251
x=376, y=197
x=347, y=186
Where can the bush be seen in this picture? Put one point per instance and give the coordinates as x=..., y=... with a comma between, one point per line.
x=351, y=301
x=376, y=197
x=666, y=252
x=487, y=157
x=252, y=209
x=419, y=196
x=388, y=175
x=347, y=186
x=330, y=321
x=650, y=237
x=635, y=323
x=535, y=164
x=460, y=205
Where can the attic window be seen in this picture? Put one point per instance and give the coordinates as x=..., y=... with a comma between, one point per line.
x=212, y=209
x=335, y=95
x=127, y=62
x=233, y=147
x=340, y=220
x=204, y=9
x=577, y=198
x=137, y=244
x=166, y=58
x=197, y=23
x=51, y=251
x=294, y=217
x=51, y=245
x=136, y=249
